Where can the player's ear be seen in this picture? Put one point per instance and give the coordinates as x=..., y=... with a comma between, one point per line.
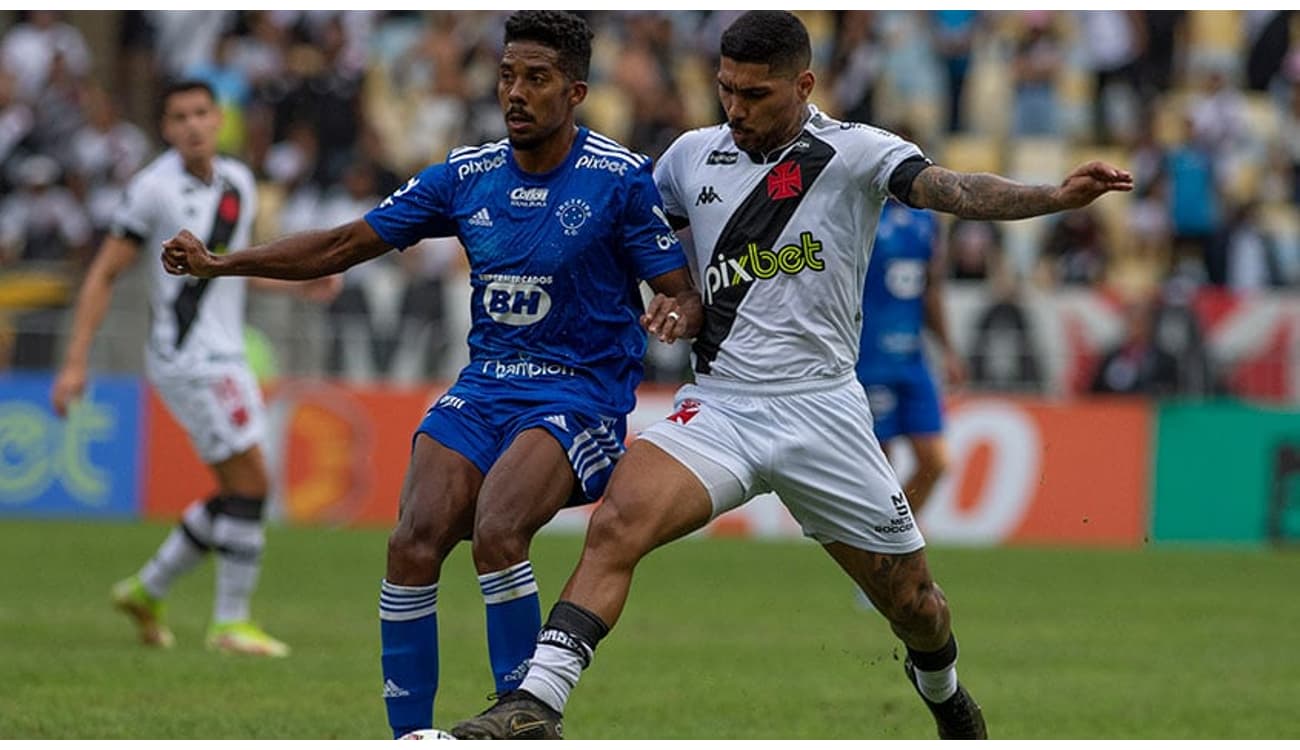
x=804, y=83
x=577, y=93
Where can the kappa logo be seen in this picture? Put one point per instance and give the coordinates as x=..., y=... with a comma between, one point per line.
x=785, y=181
x=707, y=195
x=529, y=197
x=481, y=218
x=722, y=157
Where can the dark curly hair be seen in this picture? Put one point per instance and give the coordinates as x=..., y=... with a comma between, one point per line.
x=774, y=37
x=567, y=34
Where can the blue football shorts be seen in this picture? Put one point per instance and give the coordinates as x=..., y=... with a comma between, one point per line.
x=479, y=419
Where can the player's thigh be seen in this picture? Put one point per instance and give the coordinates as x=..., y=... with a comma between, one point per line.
x=244, y=473
x=833, y=476
x=221, y=410
x=527, y=485
x=438, y=495
x=651, y=500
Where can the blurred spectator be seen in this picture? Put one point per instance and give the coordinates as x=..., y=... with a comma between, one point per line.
x=1193, y=196
x=1290, y=121
x=106, y=152
x=1242, y=257
x=1003, y=356
x=58, y=111
x=975, y=249
x=1217, y=110
x=42, y=221
x=30, y=48
x=1269, y=38
x=954, y=38
x=1137, y=365
x=644, y=73
x=184, y=39
x=1149, y=226
x=1036, y=63
x=16, y=119
x=1164, y=29
x=232, y=88
x=1178, y=331
x=1114, y=41
x=1075, y=250
x=857, y=58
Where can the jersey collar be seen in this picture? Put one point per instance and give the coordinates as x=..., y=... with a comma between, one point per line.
x=574, y=150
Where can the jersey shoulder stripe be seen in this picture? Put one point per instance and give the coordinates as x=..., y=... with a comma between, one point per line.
x=462, y=153
x=597, y=139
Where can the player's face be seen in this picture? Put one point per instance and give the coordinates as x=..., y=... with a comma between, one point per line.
x=764, y=108
x=536, y=98
x=190, y=124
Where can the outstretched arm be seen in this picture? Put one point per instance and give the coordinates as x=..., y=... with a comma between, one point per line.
x=676, y=310
x=305, y=255
x=991, y=197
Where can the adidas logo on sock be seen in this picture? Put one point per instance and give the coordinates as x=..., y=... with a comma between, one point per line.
x=481, y=218
x=393, y=690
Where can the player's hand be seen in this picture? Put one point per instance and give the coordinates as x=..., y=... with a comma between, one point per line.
x=954, y=369
x=672, y=318
x=68, y=387
x=1090, y=181
x=322, y=290
x=186, y=254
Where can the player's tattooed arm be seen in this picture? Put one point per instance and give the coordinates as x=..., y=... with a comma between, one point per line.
x=981, y=195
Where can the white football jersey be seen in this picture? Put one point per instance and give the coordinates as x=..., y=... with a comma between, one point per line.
x=193, y=322
x=781, y=246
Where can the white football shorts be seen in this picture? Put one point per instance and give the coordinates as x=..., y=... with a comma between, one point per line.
x=811, y=443
x=221, y=408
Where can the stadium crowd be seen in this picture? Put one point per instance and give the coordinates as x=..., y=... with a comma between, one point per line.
x=333, y=109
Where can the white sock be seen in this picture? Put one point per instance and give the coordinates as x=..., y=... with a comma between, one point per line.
x=553, y=675
x=239, y=543
x=939, y=686
x=179, y=553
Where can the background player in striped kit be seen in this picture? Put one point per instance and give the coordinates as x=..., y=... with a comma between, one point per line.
x=194, y=359
x=783, y=205
x=558, y=223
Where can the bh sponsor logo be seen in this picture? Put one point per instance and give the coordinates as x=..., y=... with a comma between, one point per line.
x=529, y=197
x=758, y=264
x=587, y=161
x=480, y=166
x=516, y=303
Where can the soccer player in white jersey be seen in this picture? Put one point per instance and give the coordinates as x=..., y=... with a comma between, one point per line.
x=194, y=358
x=782, y=201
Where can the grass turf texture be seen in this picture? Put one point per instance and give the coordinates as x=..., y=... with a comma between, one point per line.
x=721, y=639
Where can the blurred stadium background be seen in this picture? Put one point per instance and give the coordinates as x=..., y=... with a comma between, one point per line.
x=1120, y=549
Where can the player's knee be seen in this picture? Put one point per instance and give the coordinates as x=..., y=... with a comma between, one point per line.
x=615, y=535
x=499, y=542
x=919, y=608
x=415, y=552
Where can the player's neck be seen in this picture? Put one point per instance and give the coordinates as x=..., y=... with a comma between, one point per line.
x=548, y=155
x=201, y=168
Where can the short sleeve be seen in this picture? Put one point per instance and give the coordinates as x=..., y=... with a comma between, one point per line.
x=647, y=235
x=137, y=215
x=420, y=209
x=666, y=184
x=880, y=153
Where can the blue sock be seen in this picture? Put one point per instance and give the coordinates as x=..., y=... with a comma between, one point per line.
x=408, y=628
x=514, y=617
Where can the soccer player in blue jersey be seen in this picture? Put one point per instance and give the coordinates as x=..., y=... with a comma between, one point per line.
x=904, y=295
x=559, y=223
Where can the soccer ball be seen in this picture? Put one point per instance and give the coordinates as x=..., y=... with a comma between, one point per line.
x=427, y=734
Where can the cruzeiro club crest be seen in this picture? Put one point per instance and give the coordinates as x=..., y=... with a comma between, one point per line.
x=573, y=213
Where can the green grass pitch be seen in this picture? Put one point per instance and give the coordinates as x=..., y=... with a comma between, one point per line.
x=721, y=639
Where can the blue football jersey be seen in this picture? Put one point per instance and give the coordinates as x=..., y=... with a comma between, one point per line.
x=554, y=259
x=893, y=300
